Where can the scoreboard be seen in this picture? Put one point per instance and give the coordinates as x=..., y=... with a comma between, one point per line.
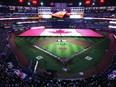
x=60, y=16
x=61, y=11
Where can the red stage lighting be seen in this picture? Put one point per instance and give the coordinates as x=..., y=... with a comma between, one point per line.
x=102, y=1
x=34, y=2
x=87, y=2
x=21, y=1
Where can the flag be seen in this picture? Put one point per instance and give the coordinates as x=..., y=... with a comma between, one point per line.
x=20, y=74
x=112, y=75
x=60, y=32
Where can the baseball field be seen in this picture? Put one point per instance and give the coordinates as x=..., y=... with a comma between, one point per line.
x=83, y=52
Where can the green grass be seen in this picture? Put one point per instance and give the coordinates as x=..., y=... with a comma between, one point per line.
x=69, y=50
x=96, y=52
x=78, y=63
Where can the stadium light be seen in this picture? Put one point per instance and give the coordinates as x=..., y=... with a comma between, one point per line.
x=102, y=1
x=21, y=1
x=87, y=2
x=41, y=3
x=112, y=22
x=29, y=3
x=93, y=3
x=34, y=2
x=110, y=26
x=80, y=3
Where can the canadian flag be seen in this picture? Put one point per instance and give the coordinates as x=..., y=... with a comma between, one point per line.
x=20, y=74
x=60, y=32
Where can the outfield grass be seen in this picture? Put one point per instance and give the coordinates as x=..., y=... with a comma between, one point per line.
x=79, y=63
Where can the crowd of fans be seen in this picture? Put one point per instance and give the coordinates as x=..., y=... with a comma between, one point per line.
x=99, y=12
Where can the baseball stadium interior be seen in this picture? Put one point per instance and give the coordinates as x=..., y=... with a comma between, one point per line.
x=57, y=43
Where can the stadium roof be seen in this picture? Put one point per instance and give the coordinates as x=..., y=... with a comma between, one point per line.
x=69, y=2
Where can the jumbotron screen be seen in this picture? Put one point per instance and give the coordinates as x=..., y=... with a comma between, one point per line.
x=59, y=13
